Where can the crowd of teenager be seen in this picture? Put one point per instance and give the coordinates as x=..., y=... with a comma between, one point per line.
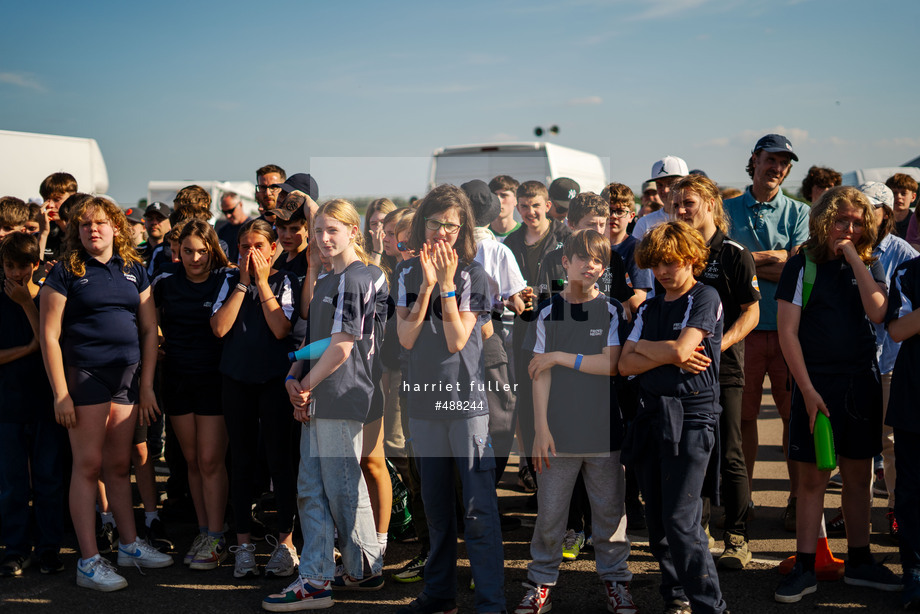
x=622, y=345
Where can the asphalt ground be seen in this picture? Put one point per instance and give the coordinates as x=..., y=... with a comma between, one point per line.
x=177, y=589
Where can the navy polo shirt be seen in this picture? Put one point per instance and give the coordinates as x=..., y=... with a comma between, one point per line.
x=345, y=303
x=905, y=385
x=99, y=328
x=251, y=352
x=25, y=394
x=185, y=319
x=660, y=320
x=551, y=278
x=435, y=375
x=636, y=277
x=594, y=423
x=835, y=334
x=297, y=265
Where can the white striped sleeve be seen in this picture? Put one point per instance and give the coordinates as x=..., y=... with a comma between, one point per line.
x=540, y=330
x=222, y=295
x=636, y=333
x=613, y=333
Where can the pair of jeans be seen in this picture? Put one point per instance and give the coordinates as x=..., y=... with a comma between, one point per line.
x=672, y=485
x=440, y=446
x=332, y=493
x=32, y=449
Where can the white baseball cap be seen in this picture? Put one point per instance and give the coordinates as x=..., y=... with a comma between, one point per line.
x=878, y=193
x=669, y=166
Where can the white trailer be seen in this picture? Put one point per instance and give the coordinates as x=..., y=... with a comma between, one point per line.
x=537, y=161
x=26, y=158
x=862, y=175
x=165, y=191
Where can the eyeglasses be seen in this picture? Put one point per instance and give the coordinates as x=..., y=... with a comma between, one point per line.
x=844, y=225
x=435, y=225
x=402, y=246
x=620, y=212
x=267, y=188
x=228, y=211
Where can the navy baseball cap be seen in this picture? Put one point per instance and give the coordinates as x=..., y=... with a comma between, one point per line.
x=775, y=143
x=300, y=182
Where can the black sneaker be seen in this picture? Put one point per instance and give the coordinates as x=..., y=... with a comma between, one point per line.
x=107, y=538
x=526, y=478
x=836, y=525
x=426, y=605
x=796, y=585
x=12, y=565
x=50, y=562
x=872, y=575
x=413, y=571
x=156, y=536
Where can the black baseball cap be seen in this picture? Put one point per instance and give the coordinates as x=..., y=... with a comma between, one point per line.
x=159, y=208
x=775, y=143
x=300, y=182
x=561, y=191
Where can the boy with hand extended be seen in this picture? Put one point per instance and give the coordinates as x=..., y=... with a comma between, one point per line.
x=576, y=343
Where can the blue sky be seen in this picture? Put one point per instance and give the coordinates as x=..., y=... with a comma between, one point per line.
x=188, y=90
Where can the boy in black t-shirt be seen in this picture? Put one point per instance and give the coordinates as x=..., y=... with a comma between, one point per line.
x=30, y=441
x=576, y=343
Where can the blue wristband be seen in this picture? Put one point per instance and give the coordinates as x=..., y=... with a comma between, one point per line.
x=289, y=378
x=578, y=358
x=450, y=294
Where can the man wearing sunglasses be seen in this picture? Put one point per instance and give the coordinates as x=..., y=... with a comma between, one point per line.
x=231, y=205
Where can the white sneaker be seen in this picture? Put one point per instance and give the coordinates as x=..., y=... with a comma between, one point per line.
x=142, y=554
x=245, y=563
x=200, y=540
x=283, y=561
x=100, y=575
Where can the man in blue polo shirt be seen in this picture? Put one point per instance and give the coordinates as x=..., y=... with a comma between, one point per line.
x=772, y=226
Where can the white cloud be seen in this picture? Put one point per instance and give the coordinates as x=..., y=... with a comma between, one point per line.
x=20, y=80
x=588, y=100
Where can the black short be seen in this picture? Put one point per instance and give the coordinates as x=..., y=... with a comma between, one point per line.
x=97, y=385
x=375, y=412
x=855, y=406
x=191, y=393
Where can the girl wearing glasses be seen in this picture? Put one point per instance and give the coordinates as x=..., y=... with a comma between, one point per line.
x=442, y=302
x=828, y=341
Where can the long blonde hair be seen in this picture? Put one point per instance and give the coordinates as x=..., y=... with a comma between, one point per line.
x=122, y=243
x=705, y=188
x=343, y=211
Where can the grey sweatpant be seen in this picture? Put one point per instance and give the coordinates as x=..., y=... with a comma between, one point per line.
x=605, y=482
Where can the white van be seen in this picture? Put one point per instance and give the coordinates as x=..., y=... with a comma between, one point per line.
x=26, y=158
x=165, y=191
x=523, y=161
